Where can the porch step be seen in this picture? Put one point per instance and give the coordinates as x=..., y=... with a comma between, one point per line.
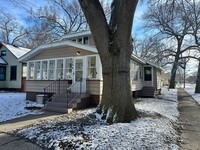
x=59, y=103
x=147, y=91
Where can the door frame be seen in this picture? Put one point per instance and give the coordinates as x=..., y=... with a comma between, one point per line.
x=83, y=81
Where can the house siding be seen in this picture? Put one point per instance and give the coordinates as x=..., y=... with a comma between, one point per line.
x=39, y=85
x=155, y=85
x=60, y=53
x=12, y=61
x=91, y=41
x=94, y=87
x=136, y=85
x=158, y=79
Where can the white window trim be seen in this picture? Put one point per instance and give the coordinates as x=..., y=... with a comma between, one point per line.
x=85, y=65
x=98, y=68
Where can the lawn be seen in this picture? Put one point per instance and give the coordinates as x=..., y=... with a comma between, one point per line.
x=84, y=130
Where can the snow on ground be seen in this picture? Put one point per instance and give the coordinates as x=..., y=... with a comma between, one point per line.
x=167, y=106
x=82, y=129
x=12, y=106
x=190, y=88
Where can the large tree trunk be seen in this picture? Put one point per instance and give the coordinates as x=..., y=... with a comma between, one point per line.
x=173, y=76
x=197, y=88
x=117, y=101
x=175, y=65
x=113, y=42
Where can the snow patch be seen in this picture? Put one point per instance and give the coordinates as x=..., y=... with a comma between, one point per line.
x=13, y=106
x=85, y=129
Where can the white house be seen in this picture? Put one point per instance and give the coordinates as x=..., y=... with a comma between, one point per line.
x=70, y=59
x=12, y=72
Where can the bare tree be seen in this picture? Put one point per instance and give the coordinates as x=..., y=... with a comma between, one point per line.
x=63, y=16
x=193, y=10
x=12, y=32
x=151, y=48
x=172, y=25
x=114, y=45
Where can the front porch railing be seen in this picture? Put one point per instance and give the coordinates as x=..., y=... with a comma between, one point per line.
x=57, y=86
x=74, y=91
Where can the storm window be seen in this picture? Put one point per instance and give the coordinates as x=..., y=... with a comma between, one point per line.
x=92, y=67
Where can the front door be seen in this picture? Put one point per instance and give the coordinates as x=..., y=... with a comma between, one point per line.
x=79, y=80
x=148, y=76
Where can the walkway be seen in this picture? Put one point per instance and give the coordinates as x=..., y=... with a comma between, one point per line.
x=10, y=142
x=189, y=120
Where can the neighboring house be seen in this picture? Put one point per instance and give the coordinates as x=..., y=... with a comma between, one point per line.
x=73, y=57
x=11, y=70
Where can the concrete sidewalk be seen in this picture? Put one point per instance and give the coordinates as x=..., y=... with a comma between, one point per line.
x=189, y=120
x=11, y=142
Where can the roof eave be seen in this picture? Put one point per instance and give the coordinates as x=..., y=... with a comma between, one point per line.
x=37, y=50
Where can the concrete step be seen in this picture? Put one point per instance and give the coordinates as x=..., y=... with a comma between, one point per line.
x=60, y=105
x=61, y=110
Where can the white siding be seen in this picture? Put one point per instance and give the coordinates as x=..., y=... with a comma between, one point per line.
x=12, y=61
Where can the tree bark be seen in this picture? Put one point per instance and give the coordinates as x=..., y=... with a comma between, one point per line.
x=197, y=88
x=175, y=64
x=113, y=42
x=173, y=76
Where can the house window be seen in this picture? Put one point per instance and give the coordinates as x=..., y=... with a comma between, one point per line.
x=147, y=74
x=3, y=53
x=52, y=69
x=134, y=69
x=13, y=73
x=2, y=73
x=44, y=70
x=37, y=70
x=92, y=67
x=140, y=72
x=74, y=40
x=85, y=40
x=68, y=68
x=80, y=40
x=31, y=70
x=60, y=69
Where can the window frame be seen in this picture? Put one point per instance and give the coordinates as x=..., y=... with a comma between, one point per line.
x=13, y=77
x=92, y=67
x=4, y=73
x=3, y=53
x=148, y=77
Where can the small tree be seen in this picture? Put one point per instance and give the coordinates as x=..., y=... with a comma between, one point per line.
x=114, y=45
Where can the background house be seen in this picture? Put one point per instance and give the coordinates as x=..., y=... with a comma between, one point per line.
x=12, y=72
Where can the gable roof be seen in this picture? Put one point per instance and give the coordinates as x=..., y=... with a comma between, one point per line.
x=2, y=61
x=76, y=34
x=136, y=58
x=57, y=44
x=153, y=64
x=15, y=50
